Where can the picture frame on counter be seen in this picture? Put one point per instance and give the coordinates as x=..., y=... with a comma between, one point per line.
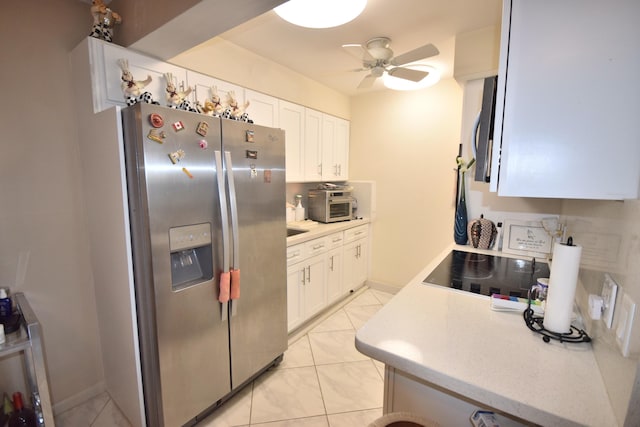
x=528, y=238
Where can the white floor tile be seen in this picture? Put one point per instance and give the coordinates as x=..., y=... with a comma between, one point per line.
x=299, y=422
x=334, y=347
x=353, y=419
x=284, y=394
x=338, y=321
x=83, y=415
x=111, y=416
x=351, y=386
x=298, y=354
x=365, y=298
x=360, y=314
x=383, y=297
x=235, y=412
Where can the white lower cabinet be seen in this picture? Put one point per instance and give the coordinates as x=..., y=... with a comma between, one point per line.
x=335, y=256
x=322, y=271
x=356, y=256
x=306, y=281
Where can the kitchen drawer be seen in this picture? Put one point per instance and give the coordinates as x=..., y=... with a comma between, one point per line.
x=316, y=246
x=295, y=253
x=356, y=233
x=335, y=240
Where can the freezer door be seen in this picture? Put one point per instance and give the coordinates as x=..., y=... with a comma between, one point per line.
x=258, y=319
x=175, y=214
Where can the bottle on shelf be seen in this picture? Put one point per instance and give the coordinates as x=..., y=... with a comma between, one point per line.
x=21, y=416
x=5, y=304
x=299, y=208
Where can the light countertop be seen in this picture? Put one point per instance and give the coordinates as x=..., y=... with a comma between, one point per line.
x=454, y=340
x=318, y=229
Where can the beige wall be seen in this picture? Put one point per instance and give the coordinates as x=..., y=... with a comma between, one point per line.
x=609, y=232
x=226, y=61
x=41, y=214
x=407, y=142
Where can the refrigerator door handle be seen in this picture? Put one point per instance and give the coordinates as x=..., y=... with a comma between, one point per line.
x=224, y=279
x=235, y=234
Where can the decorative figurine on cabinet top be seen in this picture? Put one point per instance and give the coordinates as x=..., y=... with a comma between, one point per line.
x=176, y=99
x=132, y=89
x=235, y=111
x=211, y=107
x=104, y=19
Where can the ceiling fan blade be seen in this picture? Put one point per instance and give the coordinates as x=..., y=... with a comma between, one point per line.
x=367, y=82
x=359, y=51
x=422, y=52
x=408, y=74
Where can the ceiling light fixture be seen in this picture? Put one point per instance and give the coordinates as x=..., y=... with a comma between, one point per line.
x=396, y=83
x=320, y=13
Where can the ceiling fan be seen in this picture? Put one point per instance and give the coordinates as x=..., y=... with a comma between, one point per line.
x=377, y=57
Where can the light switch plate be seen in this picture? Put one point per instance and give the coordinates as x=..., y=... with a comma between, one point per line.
x=609, y=293
x=625, y=321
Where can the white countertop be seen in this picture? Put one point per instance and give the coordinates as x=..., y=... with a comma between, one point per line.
x=318, y=229
x=453, y=339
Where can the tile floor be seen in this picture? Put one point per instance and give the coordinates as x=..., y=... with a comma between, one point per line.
x=323, y=381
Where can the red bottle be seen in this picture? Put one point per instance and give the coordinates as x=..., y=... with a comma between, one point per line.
x=21, y=416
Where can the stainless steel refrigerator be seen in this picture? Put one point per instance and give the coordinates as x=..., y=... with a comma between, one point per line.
x=206, y=201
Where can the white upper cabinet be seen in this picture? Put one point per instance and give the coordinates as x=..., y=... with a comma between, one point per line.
x=107, y=74
x=203, y=86
x=335, y=148
x=568, y=100
x=313, y=145
x=263, y=109
x=317, y=144
x=292, y=122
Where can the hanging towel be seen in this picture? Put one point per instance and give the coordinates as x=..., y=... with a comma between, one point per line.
x=225, y=281
x=235, y=284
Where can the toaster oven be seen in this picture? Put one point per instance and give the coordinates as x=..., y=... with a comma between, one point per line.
x=330, y=205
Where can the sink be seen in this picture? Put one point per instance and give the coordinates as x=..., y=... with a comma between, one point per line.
x=294, y=231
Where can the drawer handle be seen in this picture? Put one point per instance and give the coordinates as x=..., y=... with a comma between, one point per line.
x=318, y=246
x=293, y=255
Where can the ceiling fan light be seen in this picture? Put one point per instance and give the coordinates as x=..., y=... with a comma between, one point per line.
x=320, y=13
x=396, y=83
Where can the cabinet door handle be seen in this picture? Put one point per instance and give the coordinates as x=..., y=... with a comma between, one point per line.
x=309, y=274
x=340, y=170
x=331, y=266
x=320, y=169
x=304, y=276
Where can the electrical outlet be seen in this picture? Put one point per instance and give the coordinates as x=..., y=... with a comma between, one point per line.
x=625, y=321
x=609, y=292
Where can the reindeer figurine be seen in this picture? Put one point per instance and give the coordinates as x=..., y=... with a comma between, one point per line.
x=177, y=99
x=133, y=89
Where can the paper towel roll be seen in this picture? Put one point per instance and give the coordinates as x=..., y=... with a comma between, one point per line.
x=562, y=288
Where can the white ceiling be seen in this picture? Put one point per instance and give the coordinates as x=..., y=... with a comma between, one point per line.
x=318, y=54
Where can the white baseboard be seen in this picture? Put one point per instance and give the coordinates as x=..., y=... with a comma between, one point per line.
x=77, y=399
x=384, y=287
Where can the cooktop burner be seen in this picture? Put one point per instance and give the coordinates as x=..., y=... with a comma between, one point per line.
x=487, y=274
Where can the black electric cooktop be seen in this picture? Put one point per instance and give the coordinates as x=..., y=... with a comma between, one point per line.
x=487, y=274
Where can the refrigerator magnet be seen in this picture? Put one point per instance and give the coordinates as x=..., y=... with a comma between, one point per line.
x=176, y=156
x=267, y=176
x=156, y=120
x=254, y=171
x=202, y=129
x=156, y=136
x=178, y=126
x=185, y=170
x=249, y=136
x=203, y=144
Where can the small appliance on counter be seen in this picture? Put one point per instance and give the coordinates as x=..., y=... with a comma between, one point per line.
x=330, y=203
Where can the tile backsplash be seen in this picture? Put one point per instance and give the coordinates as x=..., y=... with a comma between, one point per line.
x=609, y=232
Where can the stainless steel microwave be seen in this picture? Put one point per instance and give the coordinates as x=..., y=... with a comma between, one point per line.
x=330, y=205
